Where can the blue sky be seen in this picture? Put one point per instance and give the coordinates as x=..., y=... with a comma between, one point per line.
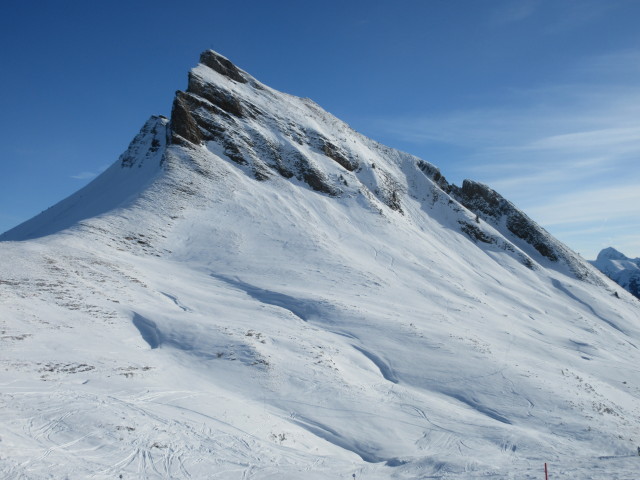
x=538, y=98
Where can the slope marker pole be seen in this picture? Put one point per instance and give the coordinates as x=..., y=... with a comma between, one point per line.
x=546, y=473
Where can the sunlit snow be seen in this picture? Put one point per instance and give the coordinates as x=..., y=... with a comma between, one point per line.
x=178, y=318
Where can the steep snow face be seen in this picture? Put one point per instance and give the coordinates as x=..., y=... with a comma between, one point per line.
x=118, y=187
x=619, y=268
x=280, y=297
x=611, y=253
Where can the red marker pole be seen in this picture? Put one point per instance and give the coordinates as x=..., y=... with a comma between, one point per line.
x=546, y=473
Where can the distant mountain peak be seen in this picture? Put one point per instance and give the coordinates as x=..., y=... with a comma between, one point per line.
x=621, y=269
x=611, y=253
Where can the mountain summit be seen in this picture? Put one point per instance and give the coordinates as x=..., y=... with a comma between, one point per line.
x=255, y=290
x=621, y=269
x=269, y=135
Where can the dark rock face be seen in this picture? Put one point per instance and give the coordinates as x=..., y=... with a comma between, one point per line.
x=434, y=174
x=337, y=155
x=481, y=197
x=183, y=125
x=317, y=181
x=311, y=176
x=523, y=227
x=209, y=112
x=151, y=139
x=491, y=207
x=222, y=65
x=393, y=202
x=389, y=191
x=218, y=97
x=488, y=203
x=475, y=233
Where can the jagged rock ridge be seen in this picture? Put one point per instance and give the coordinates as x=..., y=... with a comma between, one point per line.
x=233, y=114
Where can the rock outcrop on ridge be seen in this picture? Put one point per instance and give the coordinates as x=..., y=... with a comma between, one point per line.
x=233, y=109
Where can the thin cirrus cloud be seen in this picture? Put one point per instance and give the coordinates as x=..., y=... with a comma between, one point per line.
x=513, y=12
x=545, y=173
x=89, y=175
x=84, y=175
x=610, y=65
x=619, y=202
x=569, y=155
x=591, y=220
x=530, y=118
x=621, y=139
x=575, y=180
x=565, y=15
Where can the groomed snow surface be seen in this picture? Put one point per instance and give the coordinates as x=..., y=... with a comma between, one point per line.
x=215, y=326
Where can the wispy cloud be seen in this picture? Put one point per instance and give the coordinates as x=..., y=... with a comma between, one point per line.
x=621, y=138
x=609, y=65
x=513, y=12
x=560, y=16
x=618, y=202
x=543, y=176
x=86, y=175
x=588, y=241
x=567, y=154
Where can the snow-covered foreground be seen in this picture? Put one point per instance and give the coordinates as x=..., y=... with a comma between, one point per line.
x=216, y=326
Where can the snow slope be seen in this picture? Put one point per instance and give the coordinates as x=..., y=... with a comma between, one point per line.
x=621, y=269
x=254, y=290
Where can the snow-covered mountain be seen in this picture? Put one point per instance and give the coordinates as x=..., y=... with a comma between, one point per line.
x=619, y=268
x=255, y=290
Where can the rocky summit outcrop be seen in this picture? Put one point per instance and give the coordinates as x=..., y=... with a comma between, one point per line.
x=272, y=136
x=225, y=108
